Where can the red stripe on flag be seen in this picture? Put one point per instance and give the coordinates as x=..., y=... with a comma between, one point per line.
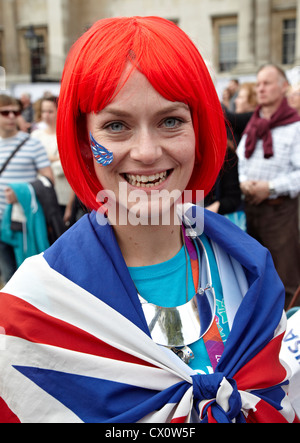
x=265, y=413
x=6, y=415
x=263, y=370
x=210, y=416
x=296, y=420
x=179, y=420
x=23, y=320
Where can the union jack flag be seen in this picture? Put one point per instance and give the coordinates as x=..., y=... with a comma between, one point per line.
x=68, y=355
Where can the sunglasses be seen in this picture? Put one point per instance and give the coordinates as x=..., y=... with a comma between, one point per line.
x=6, y=113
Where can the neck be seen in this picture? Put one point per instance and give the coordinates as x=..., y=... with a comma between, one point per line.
x=269, y=110
x=148, y=245
x=8, y=134
x=51, y=129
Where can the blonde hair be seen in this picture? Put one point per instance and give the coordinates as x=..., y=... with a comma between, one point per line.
x=250, y=87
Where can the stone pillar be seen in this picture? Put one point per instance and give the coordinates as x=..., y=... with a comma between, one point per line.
x=57, y=11
x=263, y=32
x=246, y=52
x=9, y=19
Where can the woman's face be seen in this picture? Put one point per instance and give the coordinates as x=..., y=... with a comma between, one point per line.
x=241, y=102
x=153, y=144
x=48, y=112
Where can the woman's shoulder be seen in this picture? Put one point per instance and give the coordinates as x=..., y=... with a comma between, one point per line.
x=37, y=133
x=225, y=231
x=86, y=250
x=72, y=243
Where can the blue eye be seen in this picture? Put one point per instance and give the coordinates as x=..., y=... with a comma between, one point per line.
x=170, y=122
x=116, y=126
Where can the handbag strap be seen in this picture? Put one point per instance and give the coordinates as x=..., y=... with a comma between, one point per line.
x=13, y=154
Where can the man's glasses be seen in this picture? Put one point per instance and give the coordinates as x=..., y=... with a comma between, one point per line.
x=6, y=113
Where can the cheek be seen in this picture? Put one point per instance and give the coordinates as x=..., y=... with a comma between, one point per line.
x=186, y=158
x=188, y=153
x=101, y=174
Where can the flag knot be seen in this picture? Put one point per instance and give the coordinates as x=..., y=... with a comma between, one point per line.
x=220, y=395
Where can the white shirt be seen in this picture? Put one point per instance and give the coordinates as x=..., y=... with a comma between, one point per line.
x=283, y=169
x=24, y=165
x=62, y=187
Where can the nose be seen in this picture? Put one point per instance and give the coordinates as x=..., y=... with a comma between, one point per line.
x=260, y=87
x=146, y=148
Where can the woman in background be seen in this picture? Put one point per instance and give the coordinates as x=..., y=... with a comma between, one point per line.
x=47, y=136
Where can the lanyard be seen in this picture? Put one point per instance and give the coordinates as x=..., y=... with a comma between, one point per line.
x=212, y=338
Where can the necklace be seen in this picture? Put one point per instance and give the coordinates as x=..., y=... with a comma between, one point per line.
x=180, y=326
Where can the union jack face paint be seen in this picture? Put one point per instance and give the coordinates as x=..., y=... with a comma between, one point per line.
x=102, y=155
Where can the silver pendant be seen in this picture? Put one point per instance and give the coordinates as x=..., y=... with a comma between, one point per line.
x=181, y=325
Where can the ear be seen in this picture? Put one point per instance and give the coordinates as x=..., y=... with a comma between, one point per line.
x=285, y=87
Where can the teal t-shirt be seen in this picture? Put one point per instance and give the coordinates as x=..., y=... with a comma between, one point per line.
x=164, y=284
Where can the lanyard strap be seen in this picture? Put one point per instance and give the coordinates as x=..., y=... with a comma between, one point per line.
x=212, y=339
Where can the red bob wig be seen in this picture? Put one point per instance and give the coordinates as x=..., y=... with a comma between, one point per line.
x=172, y=64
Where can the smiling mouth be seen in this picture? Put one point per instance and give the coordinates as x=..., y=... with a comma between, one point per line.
x=147, y=181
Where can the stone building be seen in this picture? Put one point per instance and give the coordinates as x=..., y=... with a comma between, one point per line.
x=234, y=36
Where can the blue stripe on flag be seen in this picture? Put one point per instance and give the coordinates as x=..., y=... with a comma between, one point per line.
x=96, y=400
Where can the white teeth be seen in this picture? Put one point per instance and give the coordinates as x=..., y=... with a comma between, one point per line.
x=146, y=181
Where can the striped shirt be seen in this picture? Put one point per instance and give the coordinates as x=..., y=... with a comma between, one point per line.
x=24, y=165
x=283, y=169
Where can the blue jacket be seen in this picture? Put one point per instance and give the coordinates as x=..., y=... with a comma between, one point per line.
x=35, y=239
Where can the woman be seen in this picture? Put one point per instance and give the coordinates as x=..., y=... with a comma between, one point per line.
x=246, y=104
x=246, y=100
x=47, y=137
x=117, y=333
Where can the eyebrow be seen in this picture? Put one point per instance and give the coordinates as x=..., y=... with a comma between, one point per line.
x=174, y=107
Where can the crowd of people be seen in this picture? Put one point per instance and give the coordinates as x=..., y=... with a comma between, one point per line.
x=263, y=133
x=28, y=140
x=150, y=322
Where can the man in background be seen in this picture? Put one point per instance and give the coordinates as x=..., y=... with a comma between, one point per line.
x=269, y=174
x=233, y=87
x=27, y=110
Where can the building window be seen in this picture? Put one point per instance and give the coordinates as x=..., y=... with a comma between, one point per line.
x=288, y=41
x=228, y=47
x=226, y=36
x=39, y=58
x=283, y=37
